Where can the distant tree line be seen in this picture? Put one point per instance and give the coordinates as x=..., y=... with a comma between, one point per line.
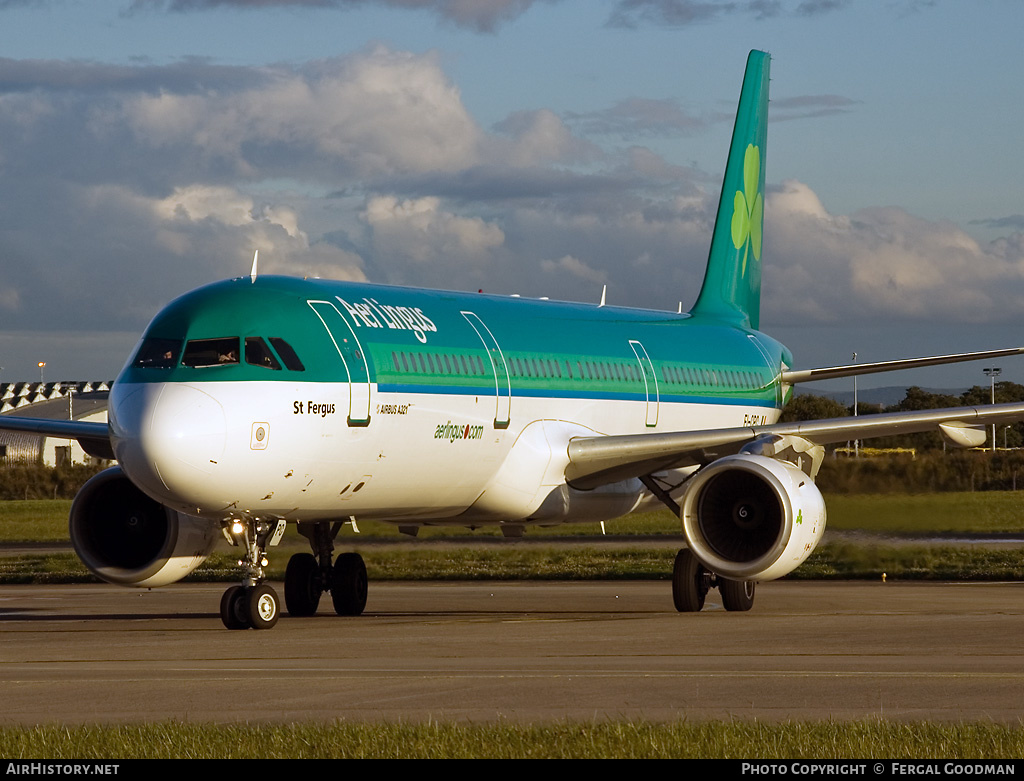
x=931, y=472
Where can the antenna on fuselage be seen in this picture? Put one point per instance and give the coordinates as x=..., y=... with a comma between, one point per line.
x=604, y=293
x=255, y=262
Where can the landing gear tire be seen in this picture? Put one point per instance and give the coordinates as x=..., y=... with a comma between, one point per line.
x=264, y=606
x=234, y=608
x=349, y=585
x=303, y=585
x=736, y=594
x=689, y=582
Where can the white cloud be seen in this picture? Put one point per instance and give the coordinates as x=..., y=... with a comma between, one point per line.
x=375, y=113
x=567, y=264
x=539, y=137
x=882, y=263
x=418, y=232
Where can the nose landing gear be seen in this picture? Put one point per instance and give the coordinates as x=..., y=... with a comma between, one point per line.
x=254, y=604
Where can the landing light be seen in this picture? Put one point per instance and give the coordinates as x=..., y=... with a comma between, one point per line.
x=237, y=527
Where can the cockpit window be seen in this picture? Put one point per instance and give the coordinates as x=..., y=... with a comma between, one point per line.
x=156, y=353
x=291, y=360
x=211, y=352
x=258, y=354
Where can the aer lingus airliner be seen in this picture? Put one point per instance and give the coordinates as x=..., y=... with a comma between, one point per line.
x=261, y=401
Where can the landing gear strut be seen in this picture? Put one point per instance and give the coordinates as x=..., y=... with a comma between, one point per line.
x=308, y=576
x=253, y=604
x=691, y=583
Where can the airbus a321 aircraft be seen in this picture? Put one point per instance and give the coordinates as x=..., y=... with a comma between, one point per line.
x=261, y=401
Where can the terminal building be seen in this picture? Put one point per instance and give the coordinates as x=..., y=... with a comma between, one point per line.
x=56, y=401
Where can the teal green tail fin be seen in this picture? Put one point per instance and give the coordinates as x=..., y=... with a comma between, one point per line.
x=732, y=282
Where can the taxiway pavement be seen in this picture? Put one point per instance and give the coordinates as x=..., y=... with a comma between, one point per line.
x=526, y=652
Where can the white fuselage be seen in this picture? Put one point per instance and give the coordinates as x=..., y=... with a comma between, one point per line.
x=227, y=449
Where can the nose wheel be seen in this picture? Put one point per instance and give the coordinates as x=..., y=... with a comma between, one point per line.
x=253, y=604
x=250, y=607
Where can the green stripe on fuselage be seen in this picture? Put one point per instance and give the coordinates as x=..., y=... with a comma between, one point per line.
x=549, y=348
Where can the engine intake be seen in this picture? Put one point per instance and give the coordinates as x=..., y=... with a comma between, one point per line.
x=125, y=537
x=749, y=517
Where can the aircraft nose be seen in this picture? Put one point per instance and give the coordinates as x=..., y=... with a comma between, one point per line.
x=169, y=439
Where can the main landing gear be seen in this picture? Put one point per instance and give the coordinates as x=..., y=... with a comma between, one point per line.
x=691, y=583
x=254, y=604
x=308, y=576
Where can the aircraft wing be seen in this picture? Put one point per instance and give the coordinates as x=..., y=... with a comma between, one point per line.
x=792, y=377
x=595, y=461
x=94, y=437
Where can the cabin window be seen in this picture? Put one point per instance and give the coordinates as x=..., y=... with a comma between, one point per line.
x=157, y=353
x=287, y=354
x=211, y=352
x=257, y=353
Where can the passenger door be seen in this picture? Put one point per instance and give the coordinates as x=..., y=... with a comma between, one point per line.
x=353, y=357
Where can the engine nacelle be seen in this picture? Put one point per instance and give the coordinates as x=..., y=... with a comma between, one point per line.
x=125, y=537
x=749, y=517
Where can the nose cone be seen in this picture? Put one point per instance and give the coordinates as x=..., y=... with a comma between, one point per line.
x=169, y=439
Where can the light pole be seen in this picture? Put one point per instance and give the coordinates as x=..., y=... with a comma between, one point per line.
x=856, y=442
x=992, y=374
x=42, y=365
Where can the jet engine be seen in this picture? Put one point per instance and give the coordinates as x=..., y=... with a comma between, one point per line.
x=749, y=517
x=125, y=537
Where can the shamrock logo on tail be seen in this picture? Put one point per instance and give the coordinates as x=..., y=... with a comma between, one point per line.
x=748, y=208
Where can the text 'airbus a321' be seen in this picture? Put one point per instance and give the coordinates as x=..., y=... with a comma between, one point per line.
x=261, y=401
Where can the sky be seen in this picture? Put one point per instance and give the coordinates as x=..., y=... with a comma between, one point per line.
x=533, y=147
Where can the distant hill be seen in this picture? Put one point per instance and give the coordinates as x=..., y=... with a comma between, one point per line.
x=884, y=396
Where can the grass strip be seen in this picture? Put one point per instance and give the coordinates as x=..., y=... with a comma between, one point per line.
x=837, y=561
x=988, y=512
x=567, y=740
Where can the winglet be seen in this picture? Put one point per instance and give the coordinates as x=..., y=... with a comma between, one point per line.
x=732, y=283
x=255, y=262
